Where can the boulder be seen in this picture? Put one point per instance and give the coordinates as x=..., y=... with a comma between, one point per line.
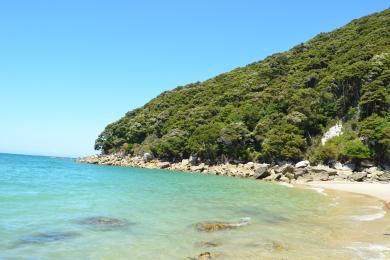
x=299, y=172
x=384, y=177
x=193, y=160
x=163, y=165
x=344, y=167
x=198, y=168
x=367, y=164
x=319, y=176
x=261, y=172
x=322, y=169
x=147, y=157
x=185, y=162
x=358, y=176
x=285, y=169
x=302, y=164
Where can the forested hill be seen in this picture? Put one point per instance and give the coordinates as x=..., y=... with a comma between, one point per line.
x=277, y=108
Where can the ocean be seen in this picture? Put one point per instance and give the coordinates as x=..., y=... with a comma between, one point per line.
x=54, y=208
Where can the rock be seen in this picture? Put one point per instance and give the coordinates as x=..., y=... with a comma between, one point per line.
x=147, y=157
x=321, y=169
x=358, y=176
x=105, y=223
x=204, y=256
x=319, y=176
x=193, y=160
x=217, y=226
x=367, y=164
x=345, y=167
x=335, y=130
x=299, y=172
x=208, y=244
x=198, y=168
x=384, y=177
x=261, y=172
x=185, y=162
x=302, y=164
x=249, y=165
x=163, y=165
x=285, y=169
x=284, y=179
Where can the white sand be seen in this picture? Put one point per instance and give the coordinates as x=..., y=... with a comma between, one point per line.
x=378, y=190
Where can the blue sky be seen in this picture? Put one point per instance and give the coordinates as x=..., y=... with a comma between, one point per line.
x=68, y=68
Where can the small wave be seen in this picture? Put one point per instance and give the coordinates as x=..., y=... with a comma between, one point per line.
x=370, y=217
x=289, y=185
x=319, y=190
x=369, y=251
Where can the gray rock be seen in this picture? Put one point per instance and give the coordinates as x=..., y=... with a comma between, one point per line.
x=319, y=176
x=367, y=164
x=147, y=157
x=299, y=172
x=358, y=176
x=285, y=169
x=384, y=177
x=302, y=164
x=322, y=169
x=345, y=167
x=261, y=172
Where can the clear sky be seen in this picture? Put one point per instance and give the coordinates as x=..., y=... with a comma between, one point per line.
x=68, y=68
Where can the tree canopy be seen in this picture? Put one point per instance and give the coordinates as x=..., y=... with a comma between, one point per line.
x=277, y=108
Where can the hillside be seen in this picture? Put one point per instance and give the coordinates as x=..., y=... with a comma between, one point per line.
x=277, y=108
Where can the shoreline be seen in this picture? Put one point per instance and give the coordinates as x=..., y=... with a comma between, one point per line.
x=380, y=191
x=371, y=181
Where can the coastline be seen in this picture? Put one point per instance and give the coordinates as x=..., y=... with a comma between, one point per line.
x=380, y=191
x=370, y=181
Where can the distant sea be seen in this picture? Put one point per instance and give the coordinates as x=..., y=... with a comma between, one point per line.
x=54, y=208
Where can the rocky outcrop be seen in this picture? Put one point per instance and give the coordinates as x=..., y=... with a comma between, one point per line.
x=300, y=172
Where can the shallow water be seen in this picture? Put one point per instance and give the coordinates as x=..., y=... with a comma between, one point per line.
x=53, y=208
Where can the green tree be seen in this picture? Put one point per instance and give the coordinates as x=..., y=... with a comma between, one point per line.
x=204, y=141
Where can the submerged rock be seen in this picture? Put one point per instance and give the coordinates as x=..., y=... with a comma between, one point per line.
x=47, y=237
x=105, y=223
x=204, y=256
x=217, y=226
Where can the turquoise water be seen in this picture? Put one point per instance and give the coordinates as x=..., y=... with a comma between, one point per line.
x=45, y=204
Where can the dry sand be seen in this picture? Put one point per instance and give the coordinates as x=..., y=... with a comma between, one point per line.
x=378, y=190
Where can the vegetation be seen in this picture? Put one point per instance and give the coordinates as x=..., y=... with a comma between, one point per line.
x=277, y=108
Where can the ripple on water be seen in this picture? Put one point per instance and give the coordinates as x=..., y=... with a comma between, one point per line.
x=370, y=251
x=369, y=217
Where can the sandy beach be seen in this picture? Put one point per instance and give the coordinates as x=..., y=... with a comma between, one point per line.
x=378, y=190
